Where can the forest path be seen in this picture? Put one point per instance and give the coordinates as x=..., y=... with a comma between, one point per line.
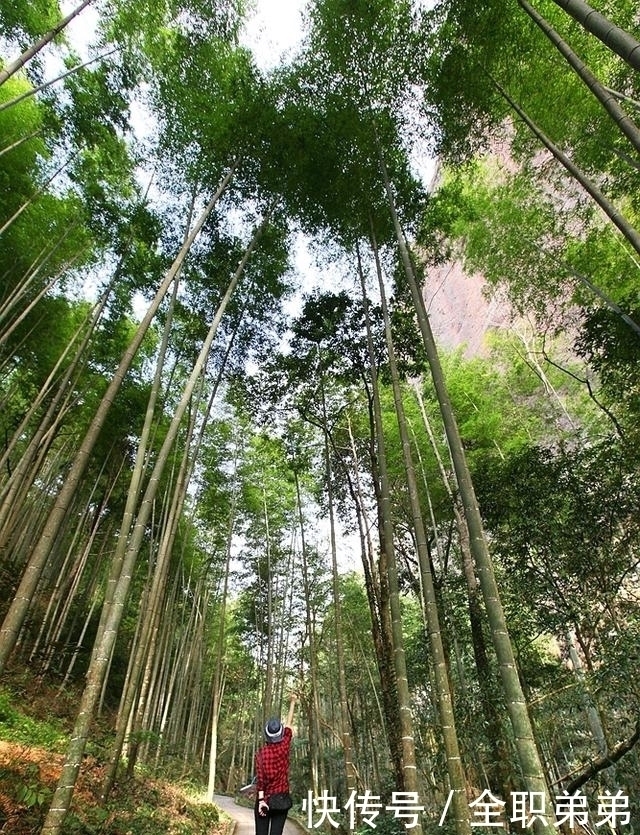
x=244, y=817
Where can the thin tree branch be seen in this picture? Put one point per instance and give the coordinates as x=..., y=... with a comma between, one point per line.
x=64, y=75
x=586, y=382
x=12, y=68
x=615, y=216
x=599, y=764
x=623, y=97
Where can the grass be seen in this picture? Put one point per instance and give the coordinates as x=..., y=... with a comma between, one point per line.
x=18, y=727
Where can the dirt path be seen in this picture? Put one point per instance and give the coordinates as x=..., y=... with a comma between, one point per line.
x=244, y=817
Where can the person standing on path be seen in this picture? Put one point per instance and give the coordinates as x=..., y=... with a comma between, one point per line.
x=273, y=799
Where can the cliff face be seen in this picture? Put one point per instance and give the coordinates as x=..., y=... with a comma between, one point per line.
x=460, y=309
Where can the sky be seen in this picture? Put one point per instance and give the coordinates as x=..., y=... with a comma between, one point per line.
x=273, y=29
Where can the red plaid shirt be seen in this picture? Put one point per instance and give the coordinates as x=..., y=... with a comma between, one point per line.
x=272, y=766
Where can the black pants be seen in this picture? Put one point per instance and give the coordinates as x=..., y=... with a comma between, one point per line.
x=272, y=823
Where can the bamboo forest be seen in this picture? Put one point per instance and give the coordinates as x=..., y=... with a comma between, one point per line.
x=243, y=461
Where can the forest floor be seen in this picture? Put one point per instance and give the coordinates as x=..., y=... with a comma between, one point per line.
x=28, y=776
x=32, y=744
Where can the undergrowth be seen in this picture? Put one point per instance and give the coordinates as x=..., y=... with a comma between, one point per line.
x=16, y=726
x=33, y=740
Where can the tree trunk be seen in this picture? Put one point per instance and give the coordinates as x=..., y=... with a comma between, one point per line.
x=268, y=701
x=314, y=712
x=69, y=575
x=595, y=723
x=20, y=293
x=345, y=725
x=378, y=609
x=499, y=770
x=22, y=600
x=19, y=142
x=23, y=206
x=615, y=38
x=149, y=613
x=33, y=50
x=409, y=766
x=88, y=326
x=140, y=463
x=444, y=701
x=616, y=217
x=377, y=599
x=528, y=756
x=33, y=90
x=105, y=642
x=217, y=686
x=606, y=99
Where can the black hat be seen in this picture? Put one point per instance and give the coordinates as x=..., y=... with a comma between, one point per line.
x=273, y=730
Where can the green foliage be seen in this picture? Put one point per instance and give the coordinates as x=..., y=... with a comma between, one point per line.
x=17, y=726
x=385, y=825
x=201, y=816
x=210, y=77
x=561, y=509
x=24, y=791
x=461, y=103
x=32, y=793
x=92, y=821
x=139, y=805
x=141, y=30
x=336, y=108
x=509, y=214
x=144, y=809
x=612, y=349
x=47, y=233
x=373, y=49
x=472, y=43
x=18, y=122
x=565, y=525
x=26, y=21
